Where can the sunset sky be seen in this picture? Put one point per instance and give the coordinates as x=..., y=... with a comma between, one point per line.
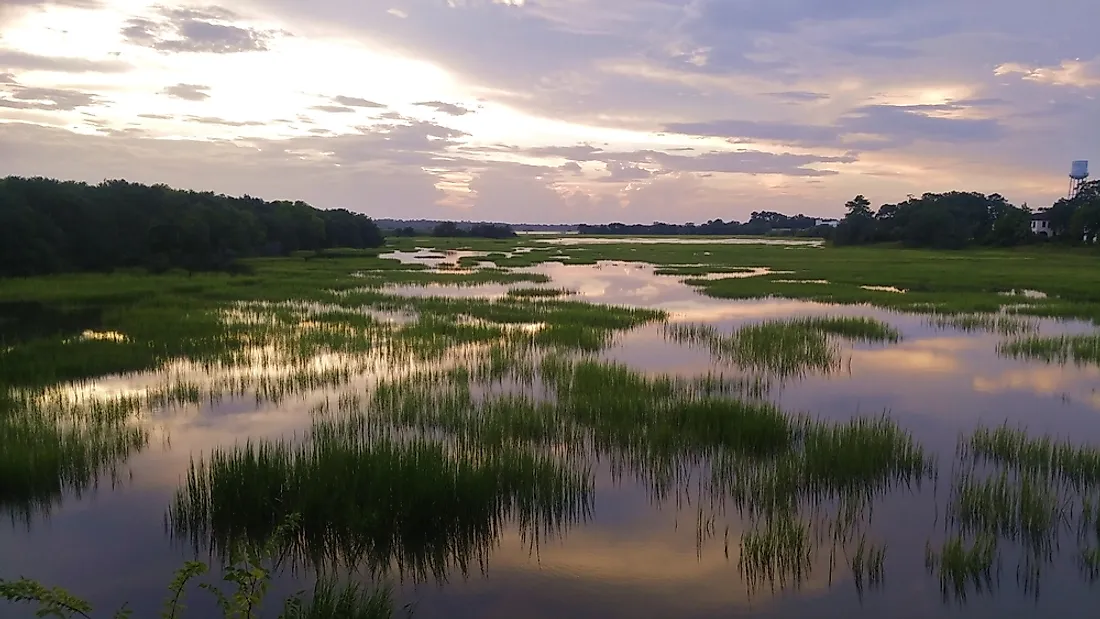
x=556, y=110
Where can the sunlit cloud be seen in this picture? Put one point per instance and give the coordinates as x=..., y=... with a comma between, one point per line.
x=1074, y=72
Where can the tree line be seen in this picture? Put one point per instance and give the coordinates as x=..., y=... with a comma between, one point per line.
x=450, y=229
x=958, y=219
x=760, y=223
x=51, y=226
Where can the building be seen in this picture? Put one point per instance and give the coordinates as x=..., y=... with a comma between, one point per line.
x=1040, y=224
x=826, y=222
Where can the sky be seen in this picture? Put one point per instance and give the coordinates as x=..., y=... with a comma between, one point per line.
x=556, y=111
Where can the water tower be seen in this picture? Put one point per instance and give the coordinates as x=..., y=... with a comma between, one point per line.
x=1078, y=174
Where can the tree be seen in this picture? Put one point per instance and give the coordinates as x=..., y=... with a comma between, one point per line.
x=49, y=226
x=1085, y=224
x=1012, y=227
x=858, y=226
x=447, y=229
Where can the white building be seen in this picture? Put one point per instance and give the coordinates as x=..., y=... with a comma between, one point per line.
x=826, y=222
x=1040, y=224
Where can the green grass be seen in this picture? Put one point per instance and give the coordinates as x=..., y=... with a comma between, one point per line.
x=779, y=553
x=48, y=453
x=539, y=293
x=372, y=502
x=1079, y=349
x=1003, y=324
x=1023, y=509
x=762, y=459
x=963, y=567
x=703, y=269
x=867, y=564
x=1014, y=449
x=785, y=348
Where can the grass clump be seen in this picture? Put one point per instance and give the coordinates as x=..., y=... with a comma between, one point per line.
x=1016, y=450
x=785, y=348
x=770, y=348
x=963, y=566
x=374, y=502
x=539, y=293
x=867, y=564
x=1004, y=324
x=780, y=552
x=1080, y=349
x=47, y=453
x=854, y=328
x=1021, y=509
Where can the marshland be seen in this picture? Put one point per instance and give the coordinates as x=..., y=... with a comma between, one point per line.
x=545, y=428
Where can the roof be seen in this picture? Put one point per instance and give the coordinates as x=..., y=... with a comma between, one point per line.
x=1040, y=216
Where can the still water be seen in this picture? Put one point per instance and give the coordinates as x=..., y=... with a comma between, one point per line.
x=637, y=553
x=643, y=240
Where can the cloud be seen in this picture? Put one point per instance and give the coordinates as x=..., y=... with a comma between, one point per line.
x=48, y=99
x=1083, y=74
x=893, y=125
x=356, y=102
x=187, y=92
x=619, y=171
x=446, y=108
x=14, y=59
x=750, y=162
x=9, y=8
x=798, y=96
x=905, y=124
x=187, y=30
x=214, y=120
x=334, y=109
x=745, y=130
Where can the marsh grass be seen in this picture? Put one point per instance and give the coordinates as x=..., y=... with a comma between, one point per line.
x=675, y=435
x=867, y=564
x=963, y=567
x=350, y=601
x=773, y=349
x=539, y=293
x=1029, y=490
x=779, y=553
x=1003, y=324
x=47, y=454
x=853, y=328
x=702, y=269
x=1015, y=449
x=1089, y=561
x=1021, y=509
x=785, y=348
x=375, y=502
x=1079, y=349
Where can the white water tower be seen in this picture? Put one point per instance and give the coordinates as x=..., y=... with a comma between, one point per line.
x=1078, y=174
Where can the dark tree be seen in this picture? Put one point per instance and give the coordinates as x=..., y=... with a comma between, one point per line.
x=50, y=226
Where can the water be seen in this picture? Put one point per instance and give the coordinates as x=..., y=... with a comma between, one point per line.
x=648, y=240
x=640, y=552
